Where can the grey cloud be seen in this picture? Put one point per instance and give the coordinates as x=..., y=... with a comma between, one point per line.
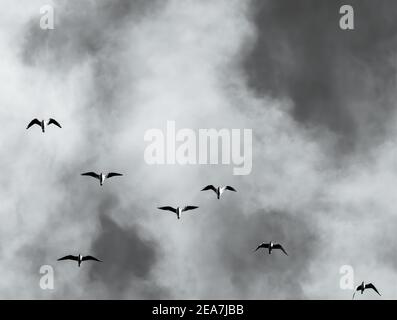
x=95, y=64
x=93, y=33
x=81, y=31
x=342, y=80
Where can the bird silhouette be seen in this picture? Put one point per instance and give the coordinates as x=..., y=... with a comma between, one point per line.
x=43, y=124
x=363, y=286
x=101, y=177
x=218, y=190
x=271, y=246
x=79, y=258
x=178, y=211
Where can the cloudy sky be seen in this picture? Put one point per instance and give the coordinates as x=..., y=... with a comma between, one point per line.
x=320, y=102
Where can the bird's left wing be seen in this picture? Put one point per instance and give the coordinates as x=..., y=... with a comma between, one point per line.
x=262, y=245
x=34, y=121
x=53, y=121
x=91, y=174
x=371, y=286
x=187, y=208
x=167, y=208
x=209, y=187
x=85, y=258
x=113, y=174
x=279, y=246
x=69, y=257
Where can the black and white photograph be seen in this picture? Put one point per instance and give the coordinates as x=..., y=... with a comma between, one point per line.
x=172, y=150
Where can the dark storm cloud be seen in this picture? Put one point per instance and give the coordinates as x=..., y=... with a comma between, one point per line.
x=129, y=258
x=338, y=79
x=281, y=276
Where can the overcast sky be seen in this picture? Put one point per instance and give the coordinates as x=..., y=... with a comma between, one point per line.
x=320, y=102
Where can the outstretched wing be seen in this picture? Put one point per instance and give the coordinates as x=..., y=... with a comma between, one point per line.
x=113, y=174
x=91, y=174
x=371, y=286
x=279, y=246
x=85, y=258
x=69, y=257
x=209, y=187
x=262, y=245
x=53, y=121
x=187, y=208
x=34, y=121
x=230, y=188
x=168, y=208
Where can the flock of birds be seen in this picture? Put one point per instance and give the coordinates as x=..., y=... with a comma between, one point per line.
x=270, y=246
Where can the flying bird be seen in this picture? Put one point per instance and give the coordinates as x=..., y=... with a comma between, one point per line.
x=79, y=258
x=43, y=124
x=271, y=246
x=178, y=210
x=363, y=286
x=101, y=177
x=218, y=190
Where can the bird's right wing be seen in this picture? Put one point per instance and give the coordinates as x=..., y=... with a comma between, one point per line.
x=209, y=187
x=53, y=121
x=187, y=208
x=69, y=257
x=113, y=174
x=34, y=121
x=230, y=188
x=167, y=208
x=371, y=286
x=91, y=174
x=90, y=258
x=279, y=246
